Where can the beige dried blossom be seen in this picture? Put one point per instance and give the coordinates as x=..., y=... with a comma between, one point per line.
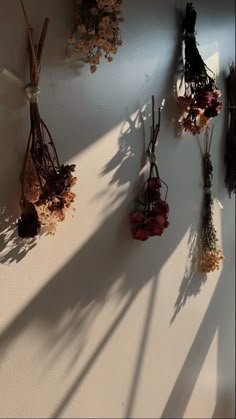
x=97, y=31
x=210, y=260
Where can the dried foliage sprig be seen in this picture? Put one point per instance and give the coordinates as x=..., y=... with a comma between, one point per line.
x=45, y=184
x=210, y=253
x=150, y=216
x=96, y=31
x=230, y=146
x=200, y=101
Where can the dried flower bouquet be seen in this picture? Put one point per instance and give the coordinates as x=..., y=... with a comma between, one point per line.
x=45, y=183
x=150, y=216
x=96, y=31
x=200, y=101
x=210, y=253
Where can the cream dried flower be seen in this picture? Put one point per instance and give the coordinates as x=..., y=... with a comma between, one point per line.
x=96, y=30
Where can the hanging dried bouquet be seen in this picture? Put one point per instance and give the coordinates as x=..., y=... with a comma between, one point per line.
x=150, y=216
x=200, y=101
x=45, y=183
x=230, y=146
x=96, y=32
x=210, y=253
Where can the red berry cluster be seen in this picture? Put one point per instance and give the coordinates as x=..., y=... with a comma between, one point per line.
x=150, y=217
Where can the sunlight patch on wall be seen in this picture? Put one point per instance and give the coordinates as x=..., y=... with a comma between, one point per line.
x=213, y=62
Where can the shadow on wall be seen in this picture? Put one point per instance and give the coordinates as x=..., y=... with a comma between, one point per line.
x=193, y=280
x=220, y=319
x=74, y=291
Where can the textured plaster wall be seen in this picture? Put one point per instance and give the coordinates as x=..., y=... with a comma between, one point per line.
x=92, y=323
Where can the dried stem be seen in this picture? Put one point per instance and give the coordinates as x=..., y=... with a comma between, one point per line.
x=33, y=50
x=42, y=39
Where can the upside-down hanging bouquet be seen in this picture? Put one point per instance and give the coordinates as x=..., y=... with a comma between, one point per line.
x=96, y=31
x=45, y=183
x=210, y=253
x=150, y=216
x=200, y=101
x=230, y=146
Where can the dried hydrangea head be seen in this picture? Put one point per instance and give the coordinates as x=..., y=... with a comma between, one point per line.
x=97, y=30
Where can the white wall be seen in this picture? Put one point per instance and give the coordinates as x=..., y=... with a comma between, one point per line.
x=86, y=314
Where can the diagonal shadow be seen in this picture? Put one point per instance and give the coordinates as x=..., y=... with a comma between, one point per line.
x=218, y=318
x=73, y=290
x=93, y=358
x=184, y=385
x=193, y=280
x=142, y=348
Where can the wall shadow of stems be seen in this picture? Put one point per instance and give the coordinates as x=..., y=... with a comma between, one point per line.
x=193, y=280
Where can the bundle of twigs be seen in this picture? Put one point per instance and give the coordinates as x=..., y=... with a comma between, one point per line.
x=200, y=101
x=230, y=146
x=45, y=184
x=210, y=253
x=96, y=32
x=150, y=217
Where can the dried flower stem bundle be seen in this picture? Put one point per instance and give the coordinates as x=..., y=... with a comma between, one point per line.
x=96, y=31
x=200, y=101
x=150, y=217
x=230, y=147
x=45, y=184
x=210, y=254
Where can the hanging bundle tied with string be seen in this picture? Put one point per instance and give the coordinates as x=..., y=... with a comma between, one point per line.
x=45, y=184
x=230, y=146
x=150, y=216
x=210, y=253
x=200, y=101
